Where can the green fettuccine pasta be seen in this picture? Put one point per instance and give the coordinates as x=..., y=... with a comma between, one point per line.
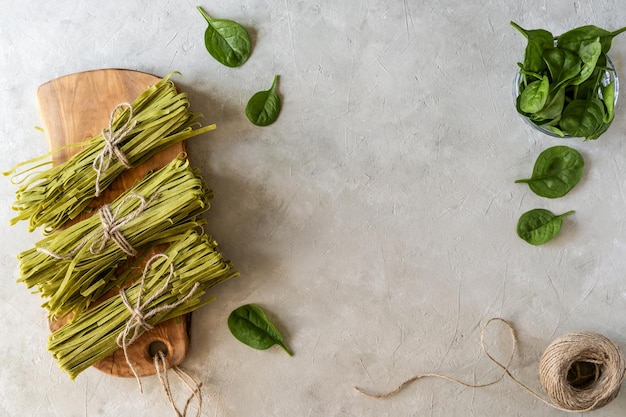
x=76, y=266
x=196, y=264
x=160, y=117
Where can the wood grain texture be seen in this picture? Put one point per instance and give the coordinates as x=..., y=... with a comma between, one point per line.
x=74, y=108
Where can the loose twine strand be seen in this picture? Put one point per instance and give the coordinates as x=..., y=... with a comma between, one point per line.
x=555, y=364
x=193, y=384
x=137, y=323
x=111, y=229
x=112, y=139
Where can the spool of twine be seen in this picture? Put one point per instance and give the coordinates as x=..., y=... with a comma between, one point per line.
x=582, y=371
x=579, y=372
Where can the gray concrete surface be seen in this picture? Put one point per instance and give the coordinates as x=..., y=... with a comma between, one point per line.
x=375, y=220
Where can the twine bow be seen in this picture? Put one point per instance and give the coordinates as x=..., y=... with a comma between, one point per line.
x=111, y=225
x=111, y=229
x=112, y=138
x=141, y=312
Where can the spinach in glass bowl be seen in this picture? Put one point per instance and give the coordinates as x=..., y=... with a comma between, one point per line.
x=567, y=86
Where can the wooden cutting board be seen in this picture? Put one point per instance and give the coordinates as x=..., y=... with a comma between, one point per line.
x=74, y=108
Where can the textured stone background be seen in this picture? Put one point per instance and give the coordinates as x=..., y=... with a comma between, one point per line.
x=375, y=221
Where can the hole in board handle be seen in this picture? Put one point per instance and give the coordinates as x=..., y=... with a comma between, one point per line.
x=157, y=346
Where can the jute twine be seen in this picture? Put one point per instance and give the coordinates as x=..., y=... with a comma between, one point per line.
x=112, y=138
x=579, y=371
x=582, y=371
x=193, y=384
x=137, y=324
x=140, y=312
x=111, y=229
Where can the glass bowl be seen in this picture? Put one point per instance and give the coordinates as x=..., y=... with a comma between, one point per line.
x=608, y=76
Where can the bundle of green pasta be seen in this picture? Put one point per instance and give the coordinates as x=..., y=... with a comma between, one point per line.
x=155, y=120
x=172, y=284
x=77, y=265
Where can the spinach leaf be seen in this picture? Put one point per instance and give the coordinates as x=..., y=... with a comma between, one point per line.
x=581, y=118
x=557, y=170
x=250, y=325
x=538, y=41
x=608, y=97
x=599, y=131
x=227, y=41
x=563, y=64
x=573, y=39
x=587, y=89
x=263, y=107
x=554, y=105
x=589, y=53
x=535, y=95
x=555, y=130
x=539, y=226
